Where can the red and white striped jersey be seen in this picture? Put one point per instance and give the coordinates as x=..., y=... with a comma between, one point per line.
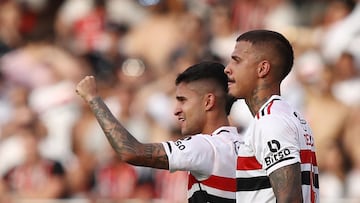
x=211, y=162
x=278, y=136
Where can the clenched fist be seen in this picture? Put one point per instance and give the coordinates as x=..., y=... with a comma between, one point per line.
x=86, y=88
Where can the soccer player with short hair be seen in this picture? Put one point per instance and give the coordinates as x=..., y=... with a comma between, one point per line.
x=277, y=161
x=202, y=108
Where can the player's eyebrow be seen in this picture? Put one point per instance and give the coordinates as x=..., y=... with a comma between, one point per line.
x=180, y=98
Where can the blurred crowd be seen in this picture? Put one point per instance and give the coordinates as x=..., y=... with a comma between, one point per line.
x=51, y=146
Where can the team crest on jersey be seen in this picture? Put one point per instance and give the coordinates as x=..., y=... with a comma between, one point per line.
x=277, y=155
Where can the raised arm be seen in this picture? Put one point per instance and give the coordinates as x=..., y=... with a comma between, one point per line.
x=286, y=184
x=128, y=148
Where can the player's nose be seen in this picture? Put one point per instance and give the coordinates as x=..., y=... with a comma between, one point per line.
x=227, y=70
x=177, y=110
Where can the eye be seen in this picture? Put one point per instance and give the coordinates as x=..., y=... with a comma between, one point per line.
x=235, y=59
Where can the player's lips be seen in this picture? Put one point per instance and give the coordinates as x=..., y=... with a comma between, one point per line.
x=181, y=121
x=230, y=82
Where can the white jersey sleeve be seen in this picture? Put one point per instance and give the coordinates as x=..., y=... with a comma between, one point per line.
x=276, y=143
x=188, y=155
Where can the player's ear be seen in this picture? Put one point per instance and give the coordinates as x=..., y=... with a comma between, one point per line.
x=209, y=101
x=263, y=68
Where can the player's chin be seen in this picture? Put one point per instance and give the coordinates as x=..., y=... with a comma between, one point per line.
x=187, y=131
x=232, y=92
x=184, y=131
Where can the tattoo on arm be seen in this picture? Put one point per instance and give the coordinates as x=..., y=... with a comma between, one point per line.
x=127, y=147
x=286, y=183
x=155, y=156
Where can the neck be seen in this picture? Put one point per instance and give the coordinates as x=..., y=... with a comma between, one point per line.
x=215, y=123
x=260, y=97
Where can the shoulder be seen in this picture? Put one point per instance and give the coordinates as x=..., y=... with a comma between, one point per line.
x=275, y=113
x=226, y=131
x=225, y=135
x=274, y=106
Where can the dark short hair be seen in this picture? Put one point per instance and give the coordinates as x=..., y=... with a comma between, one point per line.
x=276, y=42
x=204, y=70
x=208, y=70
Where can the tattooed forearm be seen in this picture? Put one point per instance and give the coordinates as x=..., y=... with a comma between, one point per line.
x=155, y=155
x=126, y=146
x=119, y=138
x=286, y=183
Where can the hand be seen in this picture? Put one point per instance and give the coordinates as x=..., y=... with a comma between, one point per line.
x=86, y=88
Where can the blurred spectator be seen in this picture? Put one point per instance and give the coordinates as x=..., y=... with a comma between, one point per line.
x=69, y=12
x=114, y=180
x=193, y=44
x=37, y=20
x=352, y=141
x=281, y=14
x=5, y=106
x=86, y=147
x=222, y=32
x=248, y=14
x=89, y=29
x=143, y=40
x=340, y=35
x=49, y=73
x=10, y=20
x=171, y=187
x=347, y=79
x=21, y=118
x=36, y=177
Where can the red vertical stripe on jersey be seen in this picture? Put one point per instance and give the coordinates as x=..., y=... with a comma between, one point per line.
x=217, y=182
x=308, y=156
x=269, y=107
x=248, y=163
x=191, y=181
